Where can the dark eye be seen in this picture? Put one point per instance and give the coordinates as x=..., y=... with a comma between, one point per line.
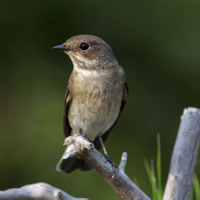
x=84, y=46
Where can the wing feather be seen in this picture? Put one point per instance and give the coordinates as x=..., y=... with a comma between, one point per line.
x=66, y=126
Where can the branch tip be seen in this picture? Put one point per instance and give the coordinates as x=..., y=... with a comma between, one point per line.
x=123, y=162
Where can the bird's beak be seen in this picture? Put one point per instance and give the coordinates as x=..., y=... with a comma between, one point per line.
x=61, y=47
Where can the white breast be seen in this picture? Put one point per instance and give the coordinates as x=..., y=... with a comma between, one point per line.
x=87, y=73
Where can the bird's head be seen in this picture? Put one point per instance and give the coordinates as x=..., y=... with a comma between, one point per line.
x=87, y=51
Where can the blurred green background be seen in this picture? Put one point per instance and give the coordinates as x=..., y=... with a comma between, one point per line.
x=156, y=42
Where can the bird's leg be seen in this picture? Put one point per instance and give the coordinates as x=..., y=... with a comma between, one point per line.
x=106, y=153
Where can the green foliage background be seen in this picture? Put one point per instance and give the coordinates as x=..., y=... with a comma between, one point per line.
x=156, y=42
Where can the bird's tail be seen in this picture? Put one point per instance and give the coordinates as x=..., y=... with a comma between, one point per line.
x=70, y=164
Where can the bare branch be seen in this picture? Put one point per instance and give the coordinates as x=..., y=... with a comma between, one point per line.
x=120, y=182
x=76, y=145
x=179, y=179
x=184, y=157
x=36, y=191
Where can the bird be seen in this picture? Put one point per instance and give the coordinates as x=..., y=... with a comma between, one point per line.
x=96, y=94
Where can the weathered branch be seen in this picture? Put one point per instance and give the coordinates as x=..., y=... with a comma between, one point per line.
x=36, y=191
x=184, y=157
x=179, y=179
x=79, y=146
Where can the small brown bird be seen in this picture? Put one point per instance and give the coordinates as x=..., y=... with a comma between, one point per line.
x=96, y=94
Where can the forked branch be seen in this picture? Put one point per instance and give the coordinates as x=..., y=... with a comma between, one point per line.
x=80, y=146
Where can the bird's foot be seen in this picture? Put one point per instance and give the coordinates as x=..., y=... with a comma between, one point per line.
x=114, y=166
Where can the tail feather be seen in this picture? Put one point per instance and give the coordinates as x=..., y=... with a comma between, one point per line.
x=70, y=164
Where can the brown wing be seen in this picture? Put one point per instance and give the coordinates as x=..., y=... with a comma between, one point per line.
x=66, y=126
x=107, y=133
